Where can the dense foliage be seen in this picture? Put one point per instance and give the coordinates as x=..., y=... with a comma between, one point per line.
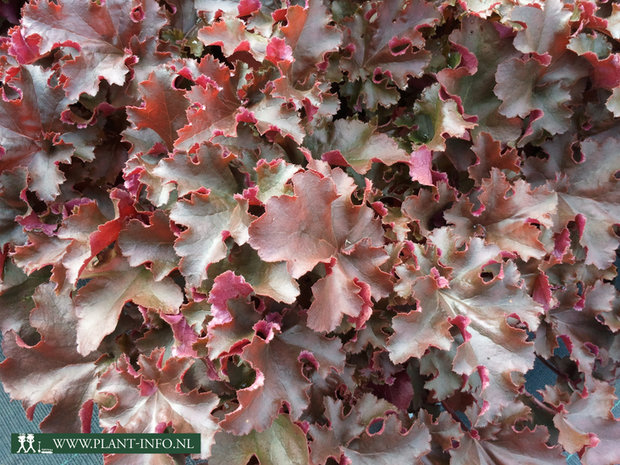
x=326, y=232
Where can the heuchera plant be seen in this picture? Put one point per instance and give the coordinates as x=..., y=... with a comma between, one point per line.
x=315, y=232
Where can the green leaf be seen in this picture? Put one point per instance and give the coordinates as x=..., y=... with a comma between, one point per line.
x=283, y=443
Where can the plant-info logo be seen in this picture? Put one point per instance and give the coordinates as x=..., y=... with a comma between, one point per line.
x=105, y=443
x=26, y=443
